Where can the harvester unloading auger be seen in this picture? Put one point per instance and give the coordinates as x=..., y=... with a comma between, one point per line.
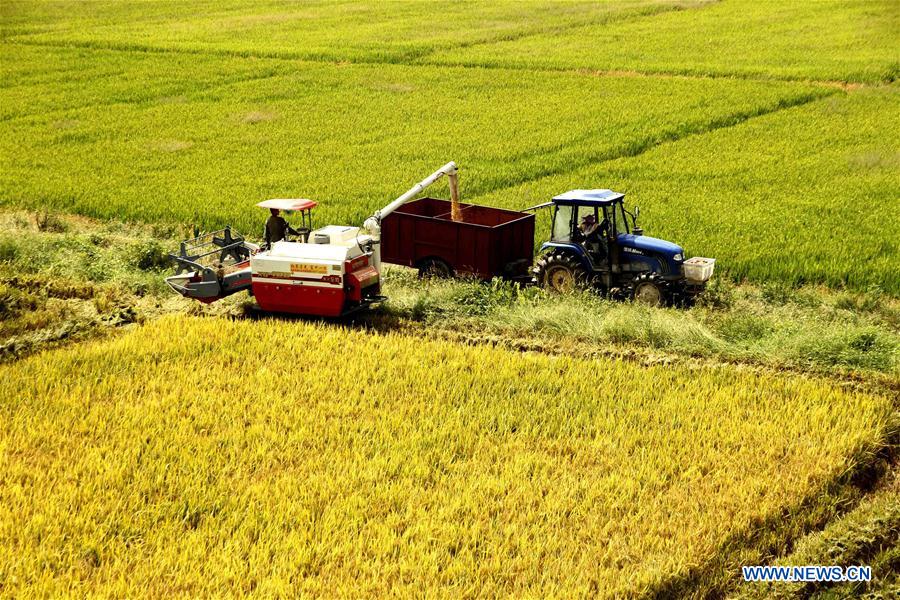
x=336, y=270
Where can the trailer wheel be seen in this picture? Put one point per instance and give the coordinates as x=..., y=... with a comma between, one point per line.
x=560, y=273
x=435, y=268
x=649, y=289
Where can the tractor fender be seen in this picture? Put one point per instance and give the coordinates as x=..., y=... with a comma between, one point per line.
x=576, y=250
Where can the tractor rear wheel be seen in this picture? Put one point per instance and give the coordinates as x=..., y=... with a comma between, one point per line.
x=649, y=289
x=560, y=273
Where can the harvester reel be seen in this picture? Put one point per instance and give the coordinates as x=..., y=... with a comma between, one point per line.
x=237, y=253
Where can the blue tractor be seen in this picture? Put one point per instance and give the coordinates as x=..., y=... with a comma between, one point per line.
x=596, y=243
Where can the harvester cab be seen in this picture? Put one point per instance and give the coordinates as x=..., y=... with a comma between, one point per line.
x=289, y=207
x=595, y=242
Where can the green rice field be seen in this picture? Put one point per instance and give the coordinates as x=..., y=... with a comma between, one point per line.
x=207, y=122
x=820, y=40
x=352, y=137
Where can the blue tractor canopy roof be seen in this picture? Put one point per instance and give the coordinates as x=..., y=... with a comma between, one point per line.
x=596, y=197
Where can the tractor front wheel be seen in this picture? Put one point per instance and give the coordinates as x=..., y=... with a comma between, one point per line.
x=649, y=289
x=560, y=273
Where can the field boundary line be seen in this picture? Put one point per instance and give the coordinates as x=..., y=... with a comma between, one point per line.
x=663, y=74
x=869, y=382
x=868, y=548
x=415, y=63
x=406, y=59
x=773, y=535
x=645, y=12
x=141, y=102
x=667, y=136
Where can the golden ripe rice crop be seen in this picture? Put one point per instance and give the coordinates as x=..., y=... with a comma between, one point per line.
x=199, y=457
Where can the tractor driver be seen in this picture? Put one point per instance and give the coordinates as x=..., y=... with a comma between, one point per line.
x=592, y=235
x=277, y=228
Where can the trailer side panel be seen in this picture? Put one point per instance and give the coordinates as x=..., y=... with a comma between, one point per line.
x=483, y=244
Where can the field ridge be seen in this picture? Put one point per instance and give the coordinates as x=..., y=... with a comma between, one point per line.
x=517, y=319
x=646, y=12
x=662, y=73
x=408, y=57
x=869, y=534
x=657, y=45
x=868, y=382
x=132, y=47
x=213, y=85
x=765, y=542
x=668, y=136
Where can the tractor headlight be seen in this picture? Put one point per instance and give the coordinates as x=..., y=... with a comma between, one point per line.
x=679, y=257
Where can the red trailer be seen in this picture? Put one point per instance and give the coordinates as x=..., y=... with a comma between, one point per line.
x=486, y=242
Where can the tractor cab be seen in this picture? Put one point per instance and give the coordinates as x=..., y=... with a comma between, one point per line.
x=592, y=219
x=289, y=207
x=595, y=242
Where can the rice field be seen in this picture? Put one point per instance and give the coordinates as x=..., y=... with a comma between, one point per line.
x=825, y=40
x=198, y=456
x=165, y=146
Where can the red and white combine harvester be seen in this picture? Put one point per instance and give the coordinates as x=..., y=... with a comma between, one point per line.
x=329, y=272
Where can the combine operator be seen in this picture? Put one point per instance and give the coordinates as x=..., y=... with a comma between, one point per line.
x=277, y=228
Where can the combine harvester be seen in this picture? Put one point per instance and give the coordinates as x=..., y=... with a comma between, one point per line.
x=336, y=270
x=328, y=272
